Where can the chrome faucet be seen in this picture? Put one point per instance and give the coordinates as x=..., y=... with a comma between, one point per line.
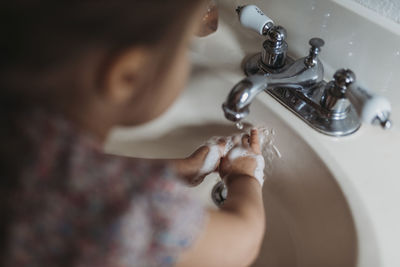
x=301, y=75
x=335, y=108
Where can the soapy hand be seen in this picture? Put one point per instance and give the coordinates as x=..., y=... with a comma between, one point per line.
x=205, y=160
x=232, y=155
x=244, y=159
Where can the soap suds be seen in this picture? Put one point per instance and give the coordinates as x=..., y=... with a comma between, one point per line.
x=268, y=149
x=211, y=160
x=264, y=161
x=259, y=171
x=269, y=152
x=240, y=152
x=230, y=143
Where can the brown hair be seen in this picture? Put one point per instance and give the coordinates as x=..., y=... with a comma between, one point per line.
x=39, y=37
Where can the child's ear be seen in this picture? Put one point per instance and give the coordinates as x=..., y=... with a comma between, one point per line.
x=124, y=76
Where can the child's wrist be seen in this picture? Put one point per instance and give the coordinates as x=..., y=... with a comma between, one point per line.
x=232, y=177
x=183, y=168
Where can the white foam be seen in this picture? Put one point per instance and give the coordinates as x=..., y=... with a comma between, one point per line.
x=216, y=152
x=240, y=152
x=277, y=152
x=259, y=171
x=229, y=145
x=268, y=148
x=211, y=160
x=233, y=147
x=230, y=142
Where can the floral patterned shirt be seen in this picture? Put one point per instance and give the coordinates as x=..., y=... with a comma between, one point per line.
x=77, y=206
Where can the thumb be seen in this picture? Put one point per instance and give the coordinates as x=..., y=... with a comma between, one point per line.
x=223, y=167
x=200, y=153
x=254, y=141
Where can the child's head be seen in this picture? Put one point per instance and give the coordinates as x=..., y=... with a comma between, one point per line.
x=124, y=61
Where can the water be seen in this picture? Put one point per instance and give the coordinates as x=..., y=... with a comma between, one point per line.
x=351, y=45
x=325, y=22
x=268, y=148
x=239, y=125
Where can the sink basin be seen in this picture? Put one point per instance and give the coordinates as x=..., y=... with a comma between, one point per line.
x=308, y=219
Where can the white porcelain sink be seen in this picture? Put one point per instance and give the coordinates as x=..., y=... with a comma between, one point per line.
x=308, y=219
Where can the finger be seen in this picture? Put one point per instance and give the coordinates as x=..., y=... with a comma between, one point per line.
x=217, y=166
x=246, y=140
x=221, y=144
x=197, y=180
x=254, y=141
x=221, y=140
x=201, y=152
x=236, y=139
x=223, y=167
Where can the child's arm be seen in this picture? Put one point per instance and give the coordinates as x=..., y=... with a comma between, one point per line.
x=233, y=235
x=193, y=169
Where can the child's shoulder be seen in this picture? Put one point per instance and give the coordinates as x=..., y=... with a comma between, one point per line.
x=62, y=151
x=72, y=186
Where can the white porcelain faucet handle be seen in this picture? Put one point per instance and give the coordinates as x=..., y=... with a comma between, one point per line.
x=370, y=107
x=253, y=18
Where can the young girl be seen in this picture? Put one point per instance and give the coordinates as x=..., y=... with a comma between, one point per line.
x=70, y=71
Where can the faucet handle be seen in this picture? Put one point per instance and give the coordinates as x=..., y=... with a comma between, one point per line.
x=316, y=44
x=370, y=107
x=335, y=96
x=343, y=79
x=253, y=18
x=277, y=34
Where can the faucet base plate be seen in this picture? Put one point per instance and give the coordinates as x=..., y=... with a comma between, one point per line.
x=310, y=112
x=305, y=103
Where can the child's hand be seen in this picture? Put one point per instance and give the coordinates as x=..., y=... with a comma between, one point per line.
x=244, y=159
x=203, y=161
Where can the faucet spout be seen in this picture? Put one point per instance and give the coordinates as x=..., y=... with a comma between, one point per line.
x=298, y=76
x=236, y=106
